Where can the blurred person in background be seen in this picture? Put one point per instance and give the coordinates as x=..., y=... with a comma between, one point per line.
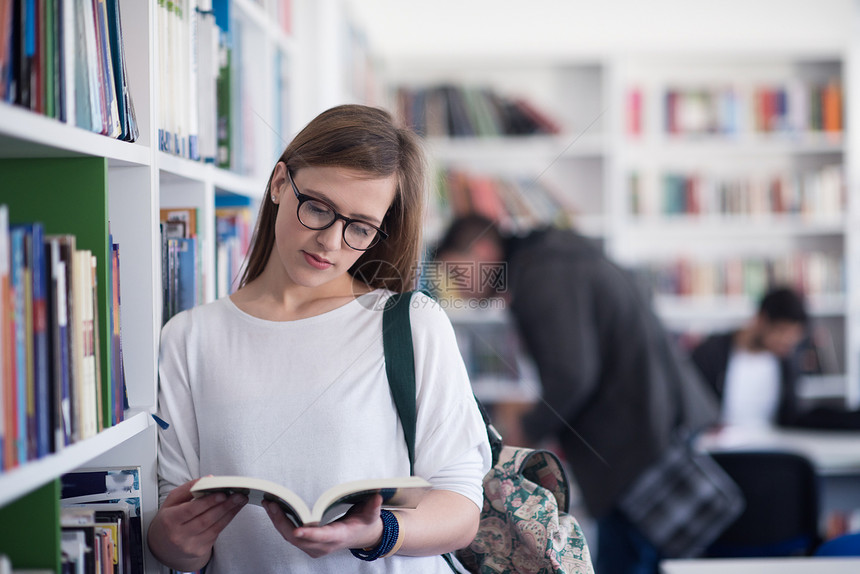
x=614, y=388
x=755, y=370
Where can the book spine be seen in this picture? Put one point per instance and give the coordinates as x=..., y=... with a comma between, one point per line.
x=19, y=334
x=6, y=381
x=40, y=343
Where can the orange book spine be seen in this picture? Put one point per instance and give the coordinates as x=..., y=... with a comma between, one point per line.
x=832, y=108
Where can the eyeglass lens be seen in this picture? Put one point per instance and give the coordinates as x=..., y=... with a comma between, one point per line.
x=317, y=215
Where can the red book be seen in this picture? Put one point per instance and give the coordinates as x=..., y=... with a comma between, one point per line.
x=545, y=123
x=634, y=112
x=671, y=119
x=693, y=191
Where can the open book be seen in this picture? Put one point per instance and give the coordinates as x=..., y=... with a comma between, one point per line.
x=403, y=492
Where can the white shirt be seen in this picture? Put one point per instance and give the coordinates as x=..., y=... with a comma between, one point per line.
x=306, y=403
x=751, y=394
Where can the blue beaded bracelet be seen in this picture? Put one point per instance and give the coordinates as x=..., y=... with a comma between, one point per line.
x=390, y=533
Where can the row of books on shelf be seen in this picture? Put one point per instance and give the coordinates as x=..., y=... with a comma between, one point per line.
x=794, y=107
x=515, y=203
x=194, y=59
x=182, y=272
x=54, y=392
x=465, y=111
x=208, y=63
x=181, y=261
x=818, y=193
x=811, y=273
x=65, y=59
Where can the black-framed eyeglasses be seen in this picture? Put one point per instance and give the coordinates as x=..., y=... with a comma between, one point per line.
x=316, y=214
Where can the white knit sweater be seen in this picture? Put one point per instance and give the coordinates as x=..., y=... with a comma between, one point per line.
x=306, y=403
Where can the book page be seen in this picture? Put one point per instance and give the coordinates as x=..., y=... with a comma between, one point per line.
x=404, y=492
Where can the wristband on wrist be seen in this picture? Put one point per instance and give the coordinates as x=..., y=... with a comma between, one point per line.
x=390, y=537
x=399, y=542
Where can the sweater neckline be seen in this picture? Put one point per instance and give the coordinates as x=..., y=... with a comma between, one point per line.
x=368, y=302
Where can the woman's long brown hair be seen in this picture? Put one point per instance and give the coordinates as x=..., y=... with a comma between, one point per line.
x=364, y=139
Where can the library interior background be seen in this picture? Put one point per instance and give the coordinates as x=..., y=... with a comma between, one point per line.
x=711, y=149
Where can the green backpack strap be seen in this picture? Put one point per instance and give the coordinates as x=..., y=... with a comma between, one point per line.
x=400, y=368
x=400, y=365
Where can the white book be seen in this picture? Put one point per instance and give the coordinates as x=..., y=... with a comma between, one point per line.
x=86, y=353
x=90, y=72
x=192, y=99
x=207, y=77
x=69, y=60
x=163, y=79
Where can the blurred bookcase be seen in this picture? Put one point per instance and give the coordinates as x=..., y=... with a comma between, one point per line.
x=710, y=175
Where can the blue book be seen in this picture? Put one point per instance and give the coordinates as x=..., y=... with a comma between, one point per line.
x=36, y=341
x=16, y=274
x=40, y=340
x=187, y=262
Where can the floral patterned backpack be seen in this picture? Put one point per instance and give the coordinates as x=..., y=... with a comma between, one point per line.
x=525, y=524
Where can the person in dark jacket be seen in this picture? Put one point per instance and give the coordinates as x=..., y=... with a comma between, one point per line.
x=614, y=387
x=755, y=370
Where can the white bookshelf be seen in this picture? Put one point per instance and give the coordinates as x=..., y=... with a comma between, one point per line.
x=141, y=180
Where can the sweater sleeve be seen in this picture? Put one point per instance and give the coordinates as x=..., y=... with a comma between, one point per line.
x=178, y=444
x=556, y=319
x=451, y=446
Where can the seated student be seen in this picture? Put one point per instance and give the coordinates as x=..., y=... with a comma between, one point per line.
x=755, y=370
